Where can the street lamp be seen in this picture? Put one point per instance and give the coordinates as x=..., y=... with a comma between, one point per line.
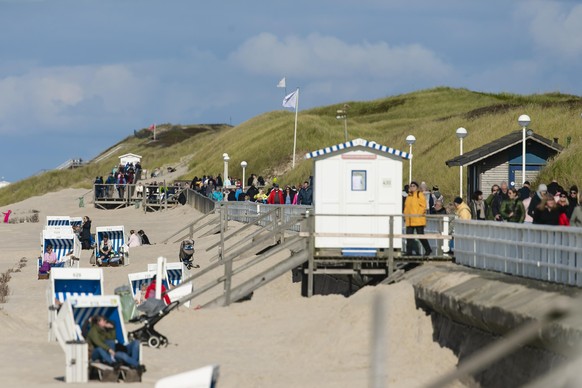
x=523, y=121
x=226, y=158
x=410, y=139
x=461, y=134
x=342, y=114
x=243, y=164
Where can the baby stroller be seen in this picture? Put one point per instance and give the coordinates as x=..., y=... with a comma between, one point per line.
x=154, y=310
x=186, y=253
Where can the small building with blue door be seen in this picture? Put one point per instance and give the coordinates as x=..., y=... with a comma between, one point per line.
x=501, y=160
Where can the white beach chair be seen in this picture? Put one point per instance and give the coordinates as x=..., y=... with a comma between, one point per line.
x=65, y=243
x=175, y=273
x=71, y=282
x=116, y=236
x=73, y=317
x=205, y=377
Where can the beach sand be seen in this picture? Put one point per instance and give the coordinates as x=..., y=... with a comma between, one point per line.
x=277, y=339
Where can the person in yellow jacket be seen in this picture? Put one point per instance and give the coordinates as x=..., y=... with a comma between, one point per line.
x=462, y=210
x=415, y=208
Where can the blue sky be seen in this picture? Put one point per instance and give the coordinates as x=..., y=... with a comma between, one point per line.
x=76, y=76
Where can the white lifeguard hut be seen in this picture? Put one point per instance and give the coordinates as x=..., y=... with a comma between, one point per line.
x=356, y=186
x=129, y=158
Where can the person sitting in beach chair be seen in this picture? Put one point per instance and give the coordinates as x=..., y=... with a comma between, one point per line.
x=49, y=260
x=105, y=251
x=151, y=291
x=102, y=338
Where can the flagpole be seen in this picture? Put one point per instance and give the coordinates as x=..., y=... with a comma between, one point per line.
x=295, y=133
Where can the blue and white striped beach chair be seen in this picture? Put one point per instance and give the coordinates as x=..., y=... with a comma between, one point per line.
x=72, y=318
x=116, y=235
x=76, y=221
x=58, y=221
x=71, y=282
x=66, y=246
x=139, y=280
x=175, y=273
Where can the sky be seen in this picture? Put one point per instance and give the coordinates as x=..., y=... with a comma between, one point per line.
x=77, y=76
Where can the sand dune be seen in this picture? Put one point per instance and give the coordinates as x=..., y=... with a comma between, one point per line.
x=277, y=339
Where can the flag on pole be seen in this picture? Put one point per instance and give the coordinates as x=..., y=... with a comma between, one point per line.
x=290, y=100
x=282, y=83
x=152, y=127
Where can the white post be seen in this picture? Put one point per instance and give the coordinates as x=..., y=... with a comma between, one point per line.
x=523, y=121
x=159, y=276
x=461, y=133
x=410, y=139
x=410, y=165
x=243, y=164
x=226, y=158
x=461, y=173
x=295, y=132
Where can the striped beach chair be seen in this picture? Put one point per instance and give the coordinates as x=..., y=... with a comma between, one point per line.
x=66, y=246
x=116, y=235
x=72, y=318
x=175, y=273
x=71, y=282
x=76, y=221
x=139, y=280
x=58, y=221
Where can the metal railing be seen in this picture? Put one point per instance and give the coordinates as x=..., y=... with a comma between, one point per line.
x=543, y=252
x=248, y=212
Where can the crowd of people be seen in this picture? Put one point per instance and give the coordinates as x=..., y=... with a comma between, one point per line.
x=550, y=204
x=256, y=190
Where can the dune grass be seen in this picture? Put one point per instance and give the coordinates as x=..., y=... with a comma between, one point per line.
x=265, y=142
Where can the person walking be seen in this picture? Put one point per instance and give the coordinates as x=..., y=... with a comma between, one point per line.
x=415, y=210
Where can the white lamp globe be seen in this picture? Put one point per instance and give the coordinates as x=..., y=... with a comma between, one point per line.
x=524, y=121
x=461, y=132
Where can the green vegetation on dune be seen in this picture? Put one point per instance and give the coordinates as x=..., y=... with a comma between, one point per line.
x=265, y=142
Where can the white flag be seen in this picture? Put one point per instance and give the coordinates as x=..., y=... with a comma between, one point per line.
x=281, y=83
x=290, y=100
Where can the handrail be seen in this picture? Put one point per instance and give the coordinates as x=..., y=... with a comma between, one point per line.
x=543, y=252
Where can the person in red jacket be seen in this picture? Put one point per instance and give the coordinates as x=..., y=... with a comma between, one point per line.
x=275, y=196
x=151, y=291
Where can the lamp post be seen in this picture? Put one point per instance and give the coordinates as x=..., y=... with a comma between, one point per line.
x=523, y=121
x=461, y=134
x=342, y=114
x=226, y=158
x=410, y=139
x=243, y=164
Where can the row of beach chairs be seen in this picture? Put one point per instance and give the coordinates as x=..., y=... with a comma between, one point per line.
x=74, y=295
x=59, y=233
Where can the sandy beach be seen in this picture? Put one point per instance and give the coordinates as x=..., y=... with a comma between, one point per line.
x=277, y=339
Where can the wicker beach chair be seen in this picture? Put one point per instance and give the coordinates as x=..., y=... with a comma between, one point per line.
x=120, y=251
x=71, y=324
x=71, y=282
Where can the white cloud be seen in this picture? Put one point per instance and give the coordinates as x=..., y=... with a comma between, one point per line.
x=325, y=56
x=556, y=27
x=62, y=97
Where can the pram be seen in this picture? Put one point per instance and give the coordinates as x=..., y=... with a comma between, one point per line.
x=154, y=310
x=186, y=253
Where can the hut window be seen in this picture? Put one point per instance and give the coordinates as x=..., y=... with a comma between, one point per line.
x=359, y=180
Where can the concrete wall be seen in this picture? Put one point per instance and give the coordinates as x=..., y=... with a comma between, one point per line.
x=472, y=308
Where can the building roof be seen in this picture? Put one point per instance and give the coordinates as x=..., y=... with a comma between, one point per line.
x=358, y=143
x=130, y=155
x=499, y=145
